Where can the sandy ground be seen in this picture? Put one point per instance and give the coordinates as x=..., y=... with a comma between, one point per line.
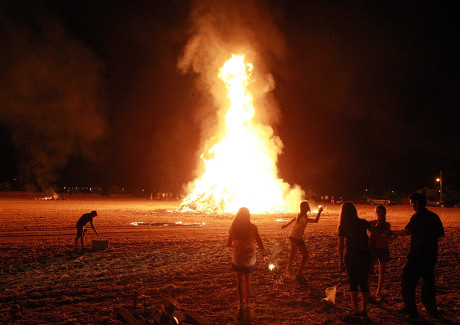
x=42, y=281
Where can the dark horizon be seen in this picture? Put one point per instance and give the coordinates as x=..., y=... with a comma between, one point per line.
x=367, y=93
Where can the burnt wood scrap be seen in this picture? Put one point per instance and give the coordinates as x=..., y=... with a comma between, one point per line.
x=169, y=313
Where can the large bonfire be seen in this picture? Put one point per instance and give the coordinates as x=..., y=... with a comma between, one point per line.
x=240, y=166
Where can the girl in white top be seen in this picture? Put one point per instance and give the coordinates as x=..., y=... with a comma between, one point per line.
x=243, y=238
x=296, y=238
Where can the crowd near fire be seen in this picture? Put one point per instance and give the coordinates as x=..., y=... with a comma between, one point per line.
x=229, y=162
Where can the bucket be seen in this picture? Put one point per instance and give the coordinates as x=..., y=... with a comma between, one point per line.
x=99, y=245
x=330, y=294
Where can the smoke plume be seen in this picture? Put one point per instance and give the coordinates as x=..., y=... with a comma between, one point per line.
x=50, y=92
x=219, y=29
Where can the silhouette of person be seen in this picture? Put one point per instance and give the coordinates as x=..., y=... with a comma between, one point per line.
x=380, y=237
x=296, y=238
x=243, y=236
x=81, y=223
x=357, y=256
x=425, y=229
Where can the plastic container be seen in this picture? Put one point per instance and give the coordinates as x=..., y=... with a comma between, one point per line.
x=330, y=294
x=99, y=245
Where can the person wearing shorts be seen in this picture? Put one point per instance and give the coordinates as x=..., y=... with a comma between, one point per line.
x=380, y=237
x=296, y=238
x=243, y=237
x=381, y=255
x=357, y=257
x=81, y=223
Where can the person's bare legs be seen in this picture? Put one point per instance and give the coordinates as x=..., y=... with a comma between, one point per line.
x=240, y=289
x=371, y=272
x=291, y=258
x=354, y=301
x=303, y=250
x=382, y=266
x=364, y=298
x=247, y=289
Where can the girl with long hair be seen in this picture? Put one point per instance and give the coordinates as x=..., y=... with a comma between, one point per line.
x=380, y=237
x=357, y=256
x=297, y=238
x=243, y=237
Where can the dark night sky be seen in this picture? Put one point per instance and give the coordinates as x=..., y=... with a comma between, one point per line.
x=367, y=93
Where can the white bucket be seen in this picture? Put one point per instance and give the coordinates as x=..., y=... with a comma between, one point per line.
x=330, y=294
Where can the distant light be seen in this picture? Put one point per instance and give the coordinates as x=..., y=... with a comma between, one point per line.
x=438, y=180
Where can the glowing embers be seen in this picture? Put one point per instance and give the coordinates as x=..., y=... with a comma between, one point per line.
x=52, y=196
x=168, y=224
x=240, y=161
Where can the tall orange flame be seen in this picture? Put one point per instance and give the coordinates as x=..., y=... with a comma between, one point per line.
x=241, y=169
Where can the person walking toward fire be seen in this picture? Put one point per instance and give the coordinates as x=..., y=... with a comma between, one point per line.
x=81, y=223
x=425, y=229
x=357, y=256
x=297, y=241
x=243, y=237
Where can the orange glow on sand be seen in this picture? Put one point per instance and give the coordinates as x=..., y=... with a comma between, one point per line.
x=240, y=167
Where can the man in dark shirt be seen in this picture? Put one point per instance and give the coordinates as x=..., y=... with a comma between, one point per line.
x=84, y=219
x=425, y=228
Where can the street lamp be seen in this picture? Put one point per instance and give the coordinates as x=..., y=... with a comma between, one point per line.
x=439, y=179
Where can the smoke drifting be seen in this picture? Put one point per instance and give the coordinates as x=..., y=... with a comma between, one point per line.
x=219, y=29
x=50, y=92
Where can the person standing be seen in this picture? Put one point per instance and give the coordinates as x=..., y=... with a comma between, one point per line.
x=425, y=229
x=296, y=238
x=357, y=256
x=380, y=237
x=243, y=236
x=81, y=223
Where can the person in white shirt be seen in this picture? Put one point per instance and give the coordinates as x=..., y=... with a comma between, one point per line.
x=243, y=237
x=297, y=240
